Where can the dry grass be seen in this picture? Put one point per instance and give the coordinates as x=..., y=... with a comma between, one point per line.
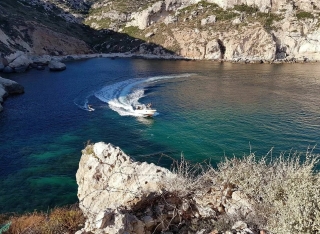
x=59, y=220
x=284, y=190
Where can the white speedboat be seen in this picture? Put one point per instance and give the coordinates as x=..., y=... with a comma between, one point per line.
x=145, y=110
x=90, y=108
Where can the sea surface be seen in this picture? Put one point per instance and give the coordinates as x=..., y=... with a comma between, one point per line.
x=205, y=111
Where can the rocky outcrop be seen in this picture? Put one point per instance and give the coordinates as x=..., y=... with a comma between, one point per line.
x=56, y=66
x=228, y=30
x=20, y=62
x=157, y=12
x=298, y=40
x=118, y=195
x=196, y=33
x=8, y=87
x=109, y=181
x=255, y=44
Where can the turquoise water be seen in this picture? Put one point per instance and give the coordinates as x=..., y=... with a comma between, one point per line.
x=204, y=110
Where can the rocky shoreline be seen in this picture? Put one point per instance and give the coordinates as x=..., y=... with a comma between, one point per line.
x=21, y=62
x=118, y=195
x=8, y=87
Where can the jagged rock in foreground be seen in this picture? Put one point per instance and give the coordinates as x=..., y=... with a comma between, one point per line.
x=119, y=195
x=9, y=87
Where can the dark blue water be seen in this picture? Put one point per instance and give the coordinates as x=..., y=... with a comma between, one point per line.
x=205, y=110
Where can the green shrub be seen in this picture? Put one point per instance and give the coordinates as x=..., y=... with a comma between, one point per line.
x=245, y=8
x=304, y=15
x=267, y=19
x=131, y=30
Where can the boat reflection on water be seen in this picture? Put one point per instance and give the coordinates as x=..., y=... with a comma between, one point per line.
x=146, y=121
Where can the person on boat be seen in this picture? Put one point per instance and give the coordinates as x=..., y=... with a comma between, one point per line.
x=149, y=105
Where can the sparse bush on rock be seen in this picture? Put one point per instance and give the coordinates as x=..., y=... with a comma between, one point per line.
x=277, y=195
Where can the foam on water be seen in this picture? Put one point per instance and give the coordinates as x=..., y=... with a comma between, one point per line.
x=82, y=100
x=123, y=96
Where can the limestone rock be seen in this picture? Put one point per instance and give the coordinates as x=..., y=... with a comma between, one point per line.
x=20, y=63
x=298, y=40
x=109, y=181
x=119, y=195
x=42, y=60
x=209, y=20
x=170, y=19
x=56, y=66
x=150, y=34
x=147, y=17
x=11, y=86
x=159, y=11
x=255, y=44
x=8, y=87
x=13, y=56
x=213, y=50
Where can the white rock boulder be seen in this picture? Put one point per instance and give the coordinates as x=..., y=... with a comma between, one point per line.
x=21, y=63
x=55, y=65
x=120, y=196
x=8, y=87
x=109, y=181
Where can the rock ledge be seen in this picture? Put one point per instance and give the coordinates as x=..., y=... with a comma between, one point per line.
x=119, y=195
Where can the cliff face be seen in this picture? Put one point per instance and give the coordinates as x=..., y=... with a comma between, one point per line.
x=234, y=30
x=118, y=195
x=39, y=30
x=243, y=195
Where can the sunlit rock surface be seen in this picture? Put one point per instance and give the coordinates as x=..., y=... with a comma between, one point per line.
x=119, y=195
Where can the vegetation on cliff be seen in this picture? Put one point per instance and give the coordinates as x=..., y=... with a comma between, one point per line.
x=190, y=29
x=59, y=220
x=282, y=194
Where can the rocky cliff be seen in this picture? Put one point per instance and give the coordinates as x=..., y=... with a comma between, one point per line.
x=231, y=30
x=8, y=87
x=118, y=195
x=243, y=195
x=40, y=29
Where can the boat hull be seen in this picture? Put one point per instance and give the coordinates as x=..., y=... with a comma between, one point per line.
x=146, y=112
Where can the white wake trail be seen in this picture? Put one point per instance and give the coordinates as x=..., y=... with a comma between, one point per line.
x=123, y=96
